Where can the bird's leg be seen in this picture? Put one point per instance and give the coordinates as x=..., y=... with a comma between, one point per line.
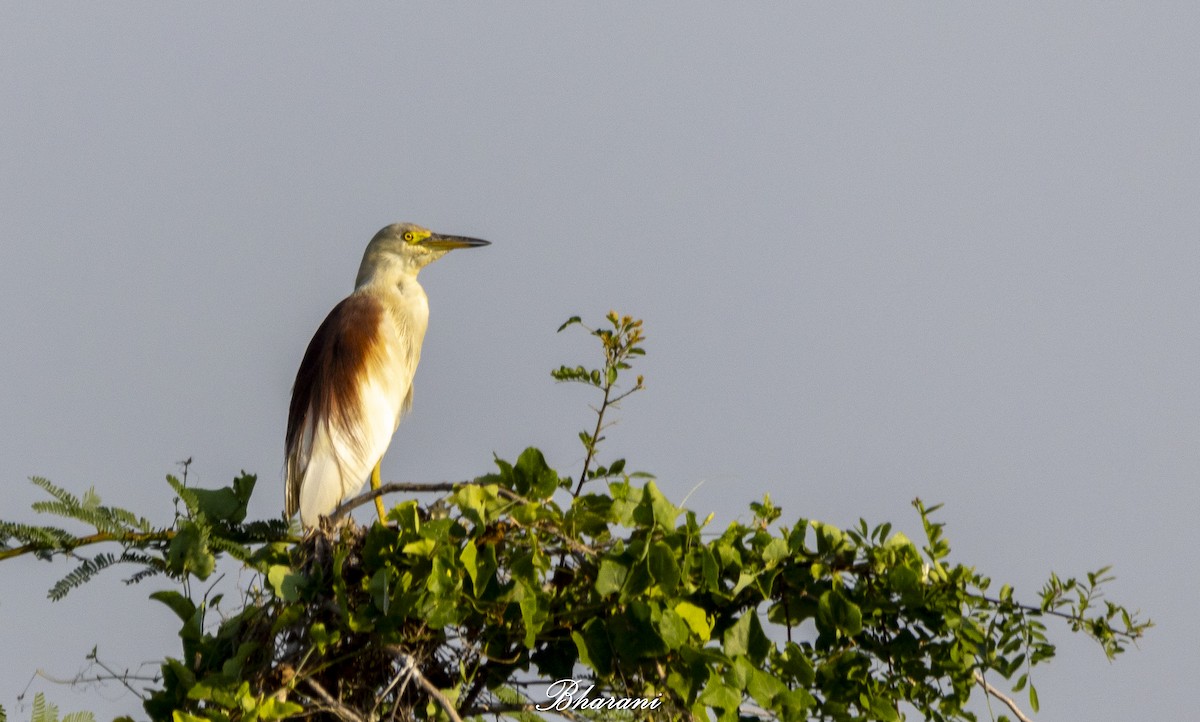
x=376, y=483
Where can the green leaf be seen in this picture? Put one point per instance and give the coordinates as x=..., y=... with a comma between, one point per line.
x=884, y=709
x=594, y=648
x=738, y=675
x=663, y=567
x=181, y=605
x=611, y=577
x=468, y=556
x=654, y=509
x=696, y=619
x=188, y=553
x=273, y=708
x=533, y=614
x=904, y=579
x=721, y=696
x=285, y=582
x=794, y=704
x=532, y=477
x=709, y=570
x=473, y=500
x=673, y=629
x=764, y=687
x=836, y=612
x=634, y=634
x=746, y=637
x=379, y=588
x=776, y=551
x=420, y=548
x=228, y=503
x=797, y=665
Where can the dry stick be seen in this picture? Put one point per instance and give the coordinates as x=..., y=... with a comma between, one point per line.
x=1008, y=701
x=369, y=495
x=339, y=709
x=434, y=692
x=404, y=674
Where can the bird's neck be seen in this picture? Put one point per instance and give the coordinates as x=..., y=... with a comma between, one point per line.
x=386, y=272
x=405, y=306
x=392, y=287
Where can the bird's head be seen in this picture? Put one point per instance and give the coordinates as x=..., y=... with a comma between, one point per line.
x=408, y=248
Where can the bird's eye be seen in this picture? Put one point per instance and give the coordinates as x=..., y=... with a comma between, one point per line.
x=408, y=236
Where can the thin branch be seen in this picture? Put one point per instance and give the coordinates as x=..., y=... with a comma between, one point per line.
x=1008, y=701
x=369, y=495
x=339, y=709
x=100, y=679
x=123, y=679
x=591, y=448
x=408, y=663
x=405, y=674
x=1132, y=636
x=131, y=538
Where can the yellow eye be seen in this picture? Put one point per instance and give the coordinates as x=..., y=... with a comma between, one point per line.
x=408, y=236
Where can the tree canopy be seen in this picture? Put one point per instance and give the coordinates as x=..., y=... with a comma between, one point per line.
x=527, y=594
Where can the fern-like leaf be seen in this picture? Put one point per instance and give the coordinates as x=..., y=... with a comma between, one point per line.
x=81, y=574
x=99, y=517
x=43, y=711
x=59, y=493
x=42, y=537
x=129, y=519
x=230, y=547
x=185, y=495
x=144, y=574
x=261, y=531
x=89, y=568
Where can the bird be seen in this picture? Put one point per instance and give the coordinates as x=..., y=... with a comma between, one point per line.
x=355, y=381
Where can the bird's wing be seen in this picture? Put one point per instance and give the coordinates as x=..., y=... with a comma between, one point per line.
x=346, y=401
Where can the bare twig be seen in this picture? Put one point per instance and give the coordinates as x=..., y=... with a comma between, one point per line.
x=124, y=679
x=339, y=709
x=408, y=663
x=369, y=495
x=1008, y=701
x=407, y=667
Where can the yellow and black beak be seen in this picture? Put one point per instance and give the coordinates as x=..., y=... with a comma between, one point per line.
x=438, y=242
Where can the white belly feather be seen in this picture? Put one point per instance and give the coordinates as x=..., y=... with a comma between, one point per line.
x=337, y=466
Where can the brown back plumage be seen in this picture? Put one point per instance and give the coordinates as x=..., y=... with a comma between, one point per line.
x=327, y=384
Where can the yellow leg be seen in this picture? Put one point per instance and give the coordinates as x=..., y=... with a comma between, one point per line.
x=376, y=482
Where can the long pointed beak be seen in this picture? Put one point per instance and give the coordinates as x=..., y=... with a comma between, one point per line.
x=438, y=242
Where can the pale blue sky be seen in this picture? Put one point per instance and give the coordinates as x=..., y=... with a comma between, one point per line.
x=881, y=251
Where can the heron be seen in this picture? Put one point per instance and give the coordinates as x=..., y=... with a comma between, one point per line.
x=355, y=381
